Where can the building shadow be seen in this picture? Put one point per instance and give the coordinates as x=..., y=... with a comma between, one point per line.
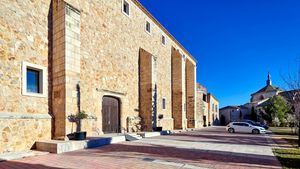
x=50, y=66
x=180, y=155
x=225, y=139
x=21, y=165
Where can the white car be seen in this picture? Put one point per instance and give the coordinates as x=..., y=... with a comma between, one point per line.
x=244, y=127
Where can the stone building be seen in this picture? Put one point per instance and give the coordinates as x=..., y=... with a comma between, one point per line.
x=213, y=110
x=202, y=107
x=265, y=93
x=207, y=109
x=111, y=59
x=233, y=113
x=258, y=100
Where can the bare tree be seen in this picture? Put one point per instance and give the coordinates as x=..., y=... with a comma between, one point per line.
x=292, y=81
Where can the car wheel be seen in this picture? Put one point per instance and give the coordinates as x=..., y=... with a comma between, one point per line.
x=255, y=131
x=231, y=130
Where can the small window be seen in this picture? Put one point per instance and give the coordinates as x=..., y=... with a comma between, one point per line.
x=204, y=97
x=34, y=78
x=148, y=27
x=164, y=103
x=163, y=40
x=216, y=108
x=126, y=8
x=33, y=81
x=213, y=106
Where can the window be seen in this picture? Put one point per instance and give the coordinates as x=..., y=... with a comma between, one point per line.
x=216, y=108
x=237, y=124
x=245, y=124
x=33, y=81
x=213, y=105
x=164, y=103
x=34, y=78
x=163, y=40
x=148, y=27
x=126, y=8
x=204, y=97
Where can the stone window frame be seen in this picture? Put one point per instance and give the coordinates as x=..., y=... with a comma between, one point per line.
x=129, y=8
x=150, y=29
x=164, y=103
x=42, y=79
x=163, y=40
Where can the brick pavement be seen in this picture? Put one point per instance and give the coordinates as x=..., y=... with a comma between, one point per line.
x=205, y=148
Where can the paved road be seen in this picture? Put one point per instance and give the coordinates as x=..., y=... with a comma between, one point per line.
x=206, y=148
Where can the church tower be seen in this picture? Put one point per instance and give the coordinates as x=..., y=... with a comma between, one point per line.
x=269, y=81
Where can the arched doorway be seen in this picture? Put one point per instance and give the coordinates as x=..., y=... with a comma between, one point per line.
x=110, y=115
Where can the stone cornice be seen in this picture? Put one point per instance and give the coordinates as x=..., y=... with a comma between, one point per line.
x=10, y=115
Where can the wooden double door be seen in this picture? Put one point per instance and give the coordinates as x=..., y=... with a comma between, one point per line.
x=110, y=115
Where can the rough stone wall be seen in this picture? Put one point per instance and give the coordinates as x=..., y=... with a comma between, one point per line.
x=190, y=94
x=109, y=52
x=263, y=96
x=21, y=134
x=23, y=37
x=145, y=89
x=58, y=68
x=177, y=89
x=201, y=110
x=110, y=43
x=213, y=115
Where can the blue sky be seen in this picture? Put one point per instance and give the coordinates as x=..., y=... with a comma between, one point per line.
x=236, y=42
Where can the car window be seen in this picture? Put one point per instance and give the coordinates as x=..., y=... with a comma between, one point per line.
x=237, y=124
x=245, y=124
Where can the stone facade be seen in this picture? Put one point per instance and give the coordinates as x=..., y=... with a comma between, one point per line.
x=202, y=107
x=234, y=113
x=90, y=49
x=24, y=119
x=213, y=110
x=178, y=99
x=190, y=93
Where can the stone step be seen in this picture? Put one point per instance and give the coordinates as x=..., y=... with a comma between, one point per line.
x=154, y=134
x=132, y=137
x=57, y=146
x=149, y=134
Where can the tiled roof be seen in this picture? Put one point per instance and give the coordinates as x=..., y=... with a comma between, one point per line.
x=268, y=88
x=291, y=95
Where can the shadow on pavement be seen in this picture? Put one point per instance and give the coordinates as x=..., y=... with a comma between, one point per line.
x=177, y=154
x=20, y=165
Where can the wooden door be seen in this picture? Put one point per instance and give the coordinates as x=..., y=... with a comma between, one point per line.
x=110, y=115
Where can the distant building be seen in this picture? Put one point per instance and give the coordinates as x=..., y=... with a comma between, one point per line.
x=213, y=110
x=207, y=113
x=258, y=100
x=202, y=107
x=233, y=113
x=265, y=93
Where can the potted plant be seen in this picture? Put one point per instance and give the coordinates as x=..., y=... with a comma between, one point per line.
x=160, y=117
x=76, y=118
